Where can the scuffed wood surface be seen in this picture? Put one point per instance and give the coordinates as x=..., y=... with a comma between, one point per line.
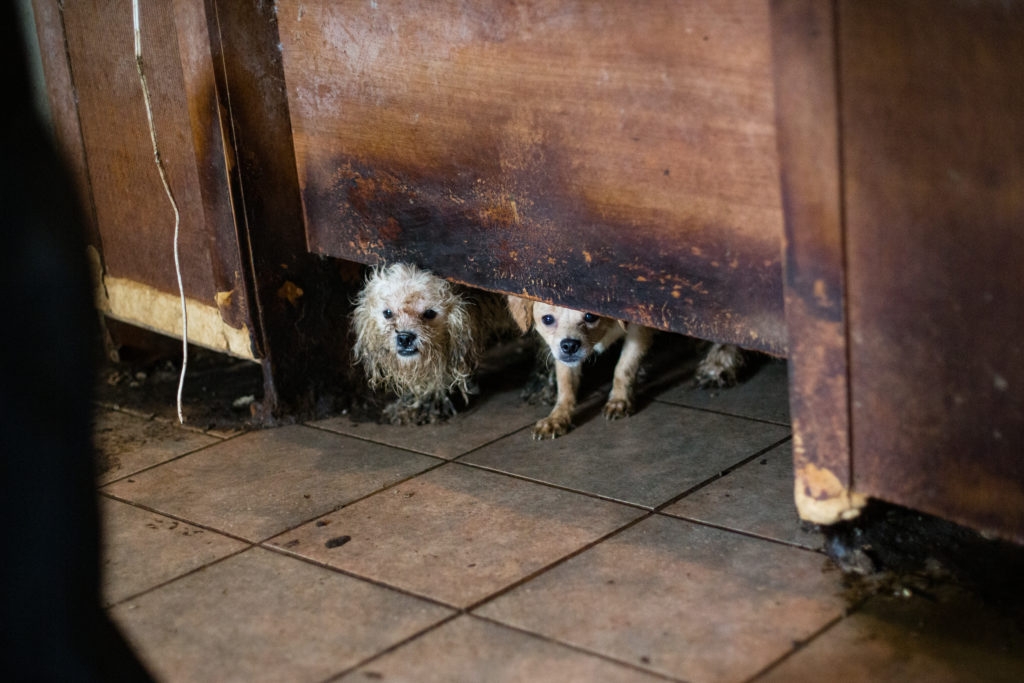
x=933, y=112
x=101, y=127
x=608, y=156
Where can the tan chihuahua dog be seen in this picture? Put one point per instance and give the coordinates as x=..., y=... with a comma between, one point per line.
x=572, y=337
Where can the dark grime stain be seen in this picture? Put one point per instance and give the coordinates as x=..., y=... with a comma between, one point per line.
x=337, y=541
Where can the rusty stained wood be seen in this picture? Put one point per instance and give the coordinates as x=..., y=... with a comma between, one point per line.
x=806, y=95
x=302, y=300
x=933, y=112
x=133, y=219
x=610, y=157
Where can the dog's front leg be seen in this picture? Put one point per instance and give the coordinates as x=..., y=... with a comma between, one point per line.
x=559, y=421
x=620, y=400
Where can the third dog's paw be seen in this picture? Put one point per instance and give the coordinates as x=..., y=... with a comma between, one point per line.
x=720, y=367
x=617, y=408
x=540, y=388
x=714, y=376
x=551, y=428
x=418, y=411
x=400, y=413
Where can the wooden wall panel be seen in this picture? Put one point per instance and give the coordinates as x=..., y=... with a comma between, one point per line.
x=613, y=157
x=933, y=117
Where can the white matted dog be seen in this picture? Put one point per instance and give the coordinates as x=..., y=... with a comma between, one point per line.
x=421, y=337
x=572, y=337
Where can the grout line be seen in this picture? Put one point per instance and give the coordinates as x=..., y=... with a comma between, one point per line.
x=725, y=413
x=557, y=487
x=178, y=518
x=740, y=532
x=391, y=648
x=359, y=577
x=722, y=473
x=353, y=501
x=147, y=468
x=364, y=439
x=555, y=563
x=575, y=648
x=413, y=451
x=800, y=645
x=195, y=570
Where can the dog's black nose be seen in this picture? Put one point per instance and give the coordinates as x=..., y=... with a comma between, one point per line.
x=569, y=346
x=405, y=340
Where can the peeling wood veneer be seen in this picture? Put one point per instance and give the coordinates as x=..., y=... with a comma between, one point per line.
x=144, y=306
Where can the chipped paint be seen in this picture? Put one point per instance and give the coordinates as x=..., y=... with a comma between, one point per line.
x=821, y=497
x=224, y=299
x=290, y=292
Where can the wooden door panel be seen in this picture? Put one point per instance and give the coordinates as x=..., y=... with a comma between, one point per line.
x=613, y=157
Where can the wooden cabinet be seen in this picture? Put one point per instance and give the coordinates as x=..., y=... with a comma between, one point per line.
x=901, y=130
x=841, y=183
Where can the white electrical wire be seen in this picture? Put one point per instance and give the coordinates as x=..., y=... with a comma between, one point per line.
x=170, y=197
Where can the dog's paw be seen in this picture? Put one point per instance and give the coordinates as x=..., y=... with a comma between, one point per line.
x=540, y=394
x=712, y=377
x=617, y=408
x=720, y=367
x=418, y=412
x=551, y=428
x=402, y=413
x=541, y=388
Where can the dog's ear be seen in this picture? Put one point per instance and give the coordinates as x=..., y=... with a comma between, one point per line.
x=624, y=325
x=522, y=312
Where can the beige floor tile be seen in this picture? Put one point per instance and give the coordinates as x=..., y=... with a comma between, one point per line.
x=756, y=498
x=128, y=443
x=945, y=637
x=142, y=549
x=681, y=599
x=261, y=483
x=456, y=534
x=490, y=416
x=261, y=616
x=646, y=459
x=469, y=650
x=762, y=396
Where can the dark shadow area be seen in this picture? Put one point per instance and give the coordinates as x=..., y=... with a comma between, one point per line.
x=889, y=548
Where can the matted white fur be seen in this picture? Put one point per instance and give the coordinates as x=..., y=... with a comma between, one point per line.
x=420, y=337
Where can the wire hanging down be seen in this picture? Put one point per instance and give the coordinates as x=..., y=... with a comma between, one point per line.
x=170, y=197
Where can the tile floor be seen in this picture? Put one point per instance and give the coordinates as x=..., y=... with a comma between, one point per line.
x=662, y=547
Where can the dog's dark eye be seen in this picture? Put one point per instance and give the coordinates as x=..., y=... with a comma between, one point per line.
x=429, y=314
x=589, y=318
x=548, y=319
x=388, y=314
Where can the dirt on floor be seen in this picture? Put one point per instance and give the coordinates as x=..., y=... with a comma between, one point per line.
x=217, y=393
